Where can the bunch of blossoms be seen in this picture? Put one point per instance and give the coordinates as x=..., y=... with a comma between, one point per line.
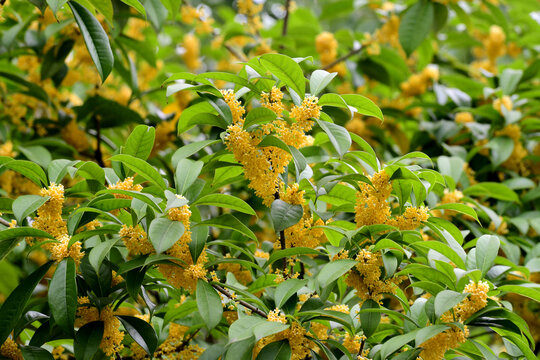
x=251, y=9
x=111, y=342
x=174, y=347
x=263, y=166
x=373, y=208
x=417, y=84
x=437, y=346
x=327, y=45
x=50, y=220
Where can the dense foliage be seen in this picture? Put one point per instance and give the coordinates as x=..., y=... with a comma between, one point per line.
x=269, y=179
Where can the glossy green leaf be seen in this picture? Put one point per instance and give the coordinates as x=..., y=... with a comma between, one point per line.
x=338, y=135
x=141, y=332
x=287, y=289
x=9, y=238
x=87, y=340
x=286, y=70
x=446, y=300
x=363, y=105
x=369, y=320
x=25, y=205
x=95, y=38
x=333, y=271
x=187, y=171
x=225, y=201
x=142, y=168
x=62, y=295
x=285, y=215
x=228, y=221
x=140, y=142
x=415, y=25
x=164, y=233
x=209, y=304
x=487, y=248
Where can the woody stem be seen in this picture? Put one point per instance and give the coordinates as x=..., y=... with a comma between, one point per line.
x=247, y=305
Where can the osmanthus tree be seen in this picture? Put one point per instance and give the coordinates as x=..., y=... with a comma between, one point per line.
x=272, y=233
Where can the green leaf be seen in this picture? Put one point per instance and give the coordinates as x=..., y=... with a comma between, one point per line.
x=445, y=250
x=32, y=89
x=37, y=154
x=285, y=215
x=492, y=189
x=95, y=38
x=277, y=350
x=270, y=140
x=319, y=80
x=509, y=80
x=338, y=135
x=105, y=7
x=460, y=208
x=190, y=149
x=369, y=320
x=487, y=248
x=428, y=332
x=12, y=309
x=25, y=205
x=334, y=270
x=396, y=343
x=363, y=105
x=209, y=304
x=258, y=116
x=287, y=289
x=28, y=169
x=87, y=340
x=57, y=169
x=9, y=238
x=91, y=170
x=140, y=142
x=56, y=5
x=415, y=25
x=35, y=353
x=225, y=201
x=142, y=168
x=141, y=332
x=62, y=295
x=446, y=300
x=163, y=233
x=187, y=171
x=286, y=70
x=501, y=149
x=531, y=293
x=280, y=254
x=136, y=5
x=228, y=221
x=99, y=252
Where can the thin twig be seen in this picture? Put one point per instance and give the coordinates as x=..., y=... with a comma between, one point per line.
x=286, y=18
x=247, y=305
x=343, y=58
x=235, y=53
x=4, y=222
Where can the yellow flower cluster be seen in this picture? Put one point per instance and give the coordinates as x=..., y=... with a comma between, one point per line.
x=515, y=160
x=296, y=335
x=50, y=220
x=190, y=15
x=505, y=101
x=11, y=350
x=437, y=346
x=365, y=277
x=126, y=184
x=191, y=47
x=464, y=117
x=251, y=10
x=272, y=101
x=372, y=208
x=241, y=274
x=371, y=205
x=111, y=343
x=135, y=240
x=60, y=353
x=417, y=84
x=352, y=343
x=494, y=46
x=277, y=316
x=186, y=273
x=261, y=254
x=15, y=184
x=6, y=149
x=327, y=45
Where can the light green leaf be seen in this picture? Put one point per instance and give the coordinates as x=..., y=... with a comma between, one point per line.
x=140, y=142
x=136, y=5
x=163, y=233
x=228, y=221
x=285, y=215
x=287, y=289
x=259, y=115
x=319, y=80
x=446, y=300
x=187, y=171
x=209, y=304
x=142, y=168
x=286, y=70
x=415, y=25
x=225, y=201
x=487, y=248
x=25, y=205
x=338, y=135
x=334, y=270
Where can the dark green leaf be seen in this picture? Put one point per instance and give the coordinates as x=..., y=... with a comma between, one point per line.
x=87, y=340
x=141, y=332
x=209, y=304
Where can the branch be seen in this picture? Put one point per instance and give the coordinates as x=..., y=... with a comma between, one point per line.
x=4, y=222
x=247, y=305
x=343, y=58
x=98, y=155
x=286, y=18
x=235, y=53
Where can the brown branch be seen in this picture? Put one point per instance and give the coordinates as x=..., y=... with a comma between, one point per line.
x=235, y=53
x=4, y=222
x=286, y=18
x=247, y=305
x=343, y=58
